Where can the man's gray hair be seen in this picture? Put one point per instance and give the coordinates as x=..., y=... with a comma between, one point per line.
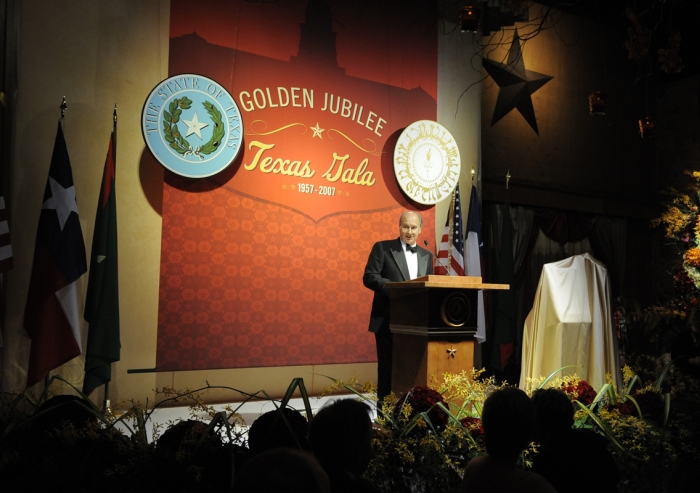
x=420, y=218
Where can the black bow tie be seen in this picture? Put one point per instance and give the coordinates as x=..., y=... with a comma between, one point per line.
x=412, y=249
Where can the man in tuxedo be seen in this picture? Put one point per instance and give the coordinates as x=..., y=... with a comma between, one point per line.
x=392, y=261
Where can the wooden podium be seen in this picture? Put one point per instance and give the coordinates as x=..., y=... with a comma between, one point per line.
x=433, y=321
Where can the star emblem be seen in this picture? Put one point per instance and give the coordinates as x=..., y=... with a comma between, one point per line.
x=317, y=131
x=516, y=85
x=451, y=352
x=62, y=200
x=194, y=126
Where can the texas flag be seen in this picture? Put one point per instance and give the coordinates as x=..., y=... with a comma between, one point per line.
x=51, y=315
x=473, y=247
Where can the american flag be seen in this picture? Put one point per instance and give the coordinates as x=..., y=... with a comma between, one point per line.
x=443, y=254
x=453, y=251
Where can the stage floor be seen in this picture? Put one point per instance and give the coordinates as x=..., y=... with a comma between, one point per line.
x=250, y=411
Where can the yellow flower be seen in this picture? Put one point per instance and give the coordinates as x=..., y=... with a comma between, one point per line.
x=675, y=221
x=694, y=174
x=692, y=256
x=627, y=374
x=684, y=200
x=404, y=452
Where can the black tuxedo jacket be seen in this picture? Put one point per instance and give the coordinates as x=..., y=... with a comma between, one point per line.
x=387, y=263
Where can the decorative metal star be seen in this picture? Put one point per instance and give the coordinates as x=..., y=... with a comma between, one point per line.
x=516, y=85
x=451, y=352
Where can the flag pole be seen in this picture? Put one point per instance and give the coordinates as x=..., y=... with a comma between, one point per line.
x=106, y=405
x=63, y=109
x=451, y=215
x=63, y=116
x=102, y=298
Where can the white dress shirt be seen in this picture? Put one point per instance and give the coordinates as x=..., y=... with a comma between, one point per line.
x=411, y=260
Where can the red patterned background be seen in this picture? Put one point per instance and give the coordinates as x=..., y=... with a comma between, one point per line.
x=247, y=278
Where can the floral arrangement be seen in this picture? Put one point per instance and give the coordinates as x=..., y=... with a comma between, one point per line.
x=422, y=400
x=423, y=439
x=421, y=449
x=426, y=436
x=578, y=390
x=41, y=441
x=473, y=426
x=681, y=223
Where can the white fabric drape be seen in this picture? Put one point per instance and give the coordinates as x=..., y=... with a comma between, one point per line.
x=570, y=324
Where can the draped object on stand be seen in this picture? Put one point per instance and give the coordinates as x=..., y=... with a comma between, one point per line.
x=570, y=324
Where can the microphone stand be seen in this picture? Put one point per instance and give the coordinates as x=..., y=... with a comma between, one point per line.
x=425, y=242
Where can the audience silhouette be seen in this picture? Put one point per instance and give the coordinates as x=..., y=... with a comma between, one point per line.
x=561, y=445
x=508, y=419
x=282, y=470
x=341, y=439
x=281, y=428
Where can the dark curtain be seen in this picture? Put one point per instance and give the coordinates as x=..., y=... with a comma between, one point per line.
x=542, y=236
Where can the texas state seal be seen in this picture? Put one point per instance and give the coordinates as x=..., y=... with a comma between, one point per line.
x=192, y=125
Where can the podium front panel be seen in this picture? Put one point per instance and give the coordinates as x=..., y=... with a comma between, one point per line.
x=434, y=311
x=416, y=359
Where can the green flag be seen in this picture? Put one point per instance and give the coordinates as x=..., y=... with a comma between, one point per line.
x=504, y=332
x=102, y=300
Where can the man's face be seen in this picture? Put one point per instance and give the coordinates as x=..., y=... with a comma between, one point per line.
x=410, y=228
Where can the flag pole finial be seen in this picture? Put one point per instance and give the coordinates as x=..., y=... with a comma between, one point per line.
x=63, y=108
x=115, y=113
x=473, y=174
x=507, y=179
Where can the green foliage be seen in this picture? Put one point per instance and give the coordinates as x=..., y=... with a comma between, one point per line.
x=170, y=131
x=423, y=440
x=681, y=223
x=426, y=448
x=177, y=142
x=218, y=132
x=648, y=425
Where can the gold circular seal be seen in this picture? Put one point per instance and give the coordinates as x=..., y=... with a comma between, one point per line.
x=426, y=162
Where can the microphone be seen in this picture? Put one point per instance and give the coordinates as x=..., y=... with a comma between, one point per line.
x=425, y=242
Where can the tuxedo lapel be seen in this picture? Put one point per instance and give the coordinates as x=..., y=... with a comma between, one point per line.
x=423, y=259
x=400, y=259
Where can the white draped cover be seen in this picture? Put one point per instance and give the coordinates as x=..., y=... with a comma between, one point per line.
x=570, y=324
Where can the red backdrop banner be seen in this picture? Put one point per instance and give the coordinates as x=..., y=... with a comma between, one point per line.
x=262, y=264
